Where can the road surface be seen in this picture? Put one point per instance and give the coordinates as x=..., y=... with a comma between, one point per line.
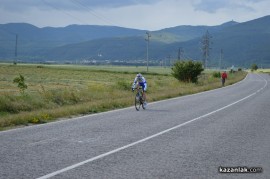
x=186, y=137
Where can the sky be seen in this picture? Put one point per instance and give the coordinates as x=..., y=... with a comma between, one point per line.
x=137, y=14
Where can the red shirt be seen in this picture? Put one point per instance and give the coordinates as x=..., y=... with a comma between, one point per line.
x=224, y=75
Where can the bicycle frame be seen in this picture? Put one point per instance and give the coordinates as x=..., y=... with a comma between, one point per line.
x=139, y=101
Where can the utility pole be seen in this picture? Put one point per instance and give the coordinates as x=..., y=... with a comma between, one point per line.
x=206, y=41
x=180, y=52
x=169, y=61
x=16, y=47
x=221, y=57
x=147, y=47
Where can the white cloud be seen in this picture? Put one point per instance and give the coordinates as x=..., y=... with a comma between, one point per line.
x=212, y=6
x=140, y=14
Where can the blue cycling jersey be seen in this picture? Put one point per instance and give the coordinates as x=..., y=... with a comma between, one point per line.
x=141, y=81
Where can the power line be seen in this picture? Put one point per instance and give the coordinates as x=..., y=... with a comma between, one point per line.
x=51, y=5
x=94, y=13
x=84, y=6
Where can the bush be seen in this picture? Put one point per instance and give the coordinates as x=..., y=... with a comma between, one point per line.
x=254, y=67
x=60, y=97
x=187, y=71
x=21, y=83
x=216, y=74
x=15, y=104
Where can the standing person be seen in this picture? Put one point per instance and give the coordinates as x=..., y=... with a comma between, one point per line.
x=140, y=81
x=223, y=77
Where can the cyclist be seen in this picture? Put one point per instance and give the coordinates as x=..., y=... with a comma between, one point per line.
x=140, y=81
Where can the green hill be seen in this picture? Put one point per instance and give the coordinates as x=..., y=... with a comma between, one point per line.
x=133, y=47
x=33, y=40
x=185, y=33
x=242, y=43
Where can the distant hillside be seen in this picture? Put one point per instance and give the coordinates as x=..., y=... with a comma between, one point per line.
x=133, y=47
x=32, y=39
x=37, y=43
x=242, y=43
x=185, y=33
x=106, y=49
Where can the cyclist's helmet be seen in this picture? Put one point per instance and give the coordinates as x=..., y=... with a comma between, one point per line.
x=139, y=76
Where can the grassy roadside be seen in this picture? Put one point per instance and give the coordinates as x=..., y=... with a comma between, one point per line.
x=65, y=91
x=263, y=71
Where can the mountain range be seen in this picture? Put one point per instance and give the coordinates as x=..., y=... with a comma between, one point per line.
x=231, y=43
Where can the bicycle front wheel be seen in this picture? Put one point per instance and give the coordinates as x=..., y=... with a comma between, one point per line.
x=137, y=102
x=142, y=103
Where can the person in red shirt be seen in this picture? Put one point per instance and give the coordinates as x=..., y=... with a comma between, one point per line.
x=223, y=77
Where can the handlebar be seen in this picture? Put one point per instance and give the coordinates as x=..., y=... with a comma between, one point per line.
x=137, y=88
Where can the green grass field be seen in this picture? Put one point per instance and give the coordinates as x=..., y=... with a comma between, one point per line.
x=64, y=91
x=263, y=70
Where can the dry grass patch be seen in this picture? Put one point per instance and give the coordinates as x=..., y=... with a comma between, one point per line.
x=55, y=93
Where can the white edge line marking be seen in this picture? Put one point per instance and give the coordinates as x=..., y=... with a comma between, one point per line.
x=147, y=138
x=116, y=110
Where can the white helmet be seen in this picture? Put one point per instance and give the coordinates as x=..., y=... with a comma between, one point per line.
x=139, y=75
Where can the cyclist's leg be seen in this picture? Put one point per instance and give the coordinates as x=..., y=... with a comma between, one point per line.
x=144, y=87
x=144, y=96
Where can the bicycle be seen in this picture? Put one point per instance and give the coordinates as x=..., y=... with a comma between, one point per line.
x=139, y=101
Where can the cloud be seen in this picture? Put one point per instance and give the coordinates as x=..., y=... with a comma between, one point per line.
x=15, y=6
x=139, y=14
x=113, y=4
x=24, y=5
x=212, y=6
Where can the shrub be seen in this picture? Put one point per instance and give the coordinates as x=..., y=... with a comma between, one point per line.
x=254, y=67
x=39, y=119
x=216, y=74
x=21, y=84
x=187, y=71
x=60, y=97
x=15, y=104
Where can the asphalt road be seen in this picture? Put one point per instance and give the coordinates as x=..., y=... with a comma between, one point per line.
x=186, y=137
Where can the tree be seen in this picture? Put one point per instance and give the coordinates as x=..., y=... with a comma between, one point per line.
x=21, y=83
x=187, y=71
x=254, y=67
